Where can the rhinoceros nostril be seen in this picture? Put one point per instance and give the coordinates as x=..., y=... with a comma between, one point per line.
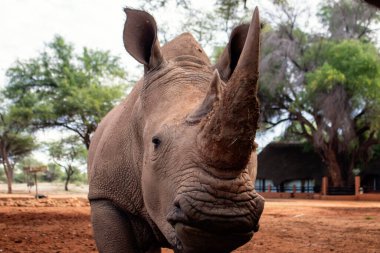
x=176, y=215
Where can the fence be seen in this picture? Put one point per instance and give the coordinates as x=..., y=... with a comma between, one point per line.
x=324, y=191
x=307, y=189
x=316, y=189
x=341, y=190
x=370, y=189
x=289, y=189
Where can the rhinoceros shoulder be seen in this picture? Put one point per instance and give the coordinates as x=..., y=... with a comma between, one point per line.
x=112, y=170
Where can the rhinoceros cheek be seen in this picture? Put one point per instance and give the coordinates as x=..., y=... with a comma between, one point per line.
x=156, y=200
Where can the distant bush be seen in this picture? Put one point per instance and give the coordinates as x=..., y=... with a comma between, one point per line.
x=79, y=177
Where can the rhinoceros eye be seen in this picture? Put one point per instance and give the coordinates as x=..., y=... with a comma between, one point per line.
x=156, y=141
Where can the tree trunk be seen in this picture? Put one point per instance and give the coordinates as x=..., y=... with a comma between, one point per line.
x=10, y=180
x=87, y=140
x=8, y=169
x=334, y=168
x=67, y=182
x=69, y=173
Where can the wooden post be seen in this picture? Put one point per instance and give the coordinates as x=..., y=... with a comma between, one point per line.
x=264, y=185
x=324, y=186
x=34, y=170
x=35, y=181
x=357, y=185
x=302, y=185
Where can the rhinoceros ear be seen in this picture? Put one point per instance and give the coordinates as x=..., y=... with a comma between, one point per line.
x=230, y=56
x=140, y=38
x=214, y=94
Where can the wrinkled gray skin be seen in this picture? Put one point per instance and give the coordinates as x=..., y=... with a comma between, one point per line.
x=174, y=164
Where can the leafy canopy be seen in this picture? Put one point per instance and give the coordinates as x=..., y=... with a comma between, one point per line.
x=352, y=63
x=61, y=88
x=15, y=142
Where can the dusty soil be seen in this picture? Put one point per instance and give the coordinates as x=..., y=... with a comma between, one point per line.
x=63, y=225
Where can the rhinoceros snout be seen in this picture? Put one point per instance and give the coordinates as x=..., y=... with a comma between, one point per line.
x=219, y=218
x=202, y=213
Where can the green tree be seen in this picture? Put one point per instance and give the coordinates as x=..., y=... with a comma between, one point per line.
x=79, y=177
x=68, y=153
x=348, y=19
x=53, y=173
x=15, y=141
x=325, y=86
x=62, y=89
x=207, y=26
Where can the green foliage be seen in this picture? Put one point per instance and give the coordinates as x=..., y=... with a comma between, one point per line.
x=325, y=78
x=69, y=154
x=79, y=177
x=54, y=173
x=15, y=142
x=2, y=175
x=162, y=3
x=19, y=177
x=62, y=89
x=359, y=63
x=67, y=151
x=29, y=161
x=376, y=151
x=325, y=86
x=356, y=66
x=227, y=10
x=205, y=25
x=18, y=144
x=348, y=19
x=201, y=24
x=280, y=2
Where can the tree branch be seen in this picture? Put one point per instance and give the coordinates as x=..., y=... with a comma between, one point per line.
x=273, y=124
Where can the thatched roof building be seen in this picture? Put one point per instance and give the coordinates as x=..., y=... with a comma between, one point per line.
x=370, y=176
x=281, y=162
x=373, y=168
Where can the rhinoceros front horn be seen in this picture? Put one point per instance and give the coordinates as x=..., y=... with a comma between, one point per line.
x=227, y=138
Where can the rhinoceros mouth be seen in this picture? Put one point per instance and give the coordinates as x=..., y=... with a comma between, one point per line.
x=209, y=233
x=191, y=239
x=213, y=224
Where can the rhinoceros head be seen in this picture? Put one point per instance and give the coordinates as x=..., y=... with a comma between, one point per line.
x=197, y=124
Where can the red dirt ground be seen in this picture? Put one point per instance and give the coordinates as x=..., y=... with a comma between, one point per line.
x=63, y=225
